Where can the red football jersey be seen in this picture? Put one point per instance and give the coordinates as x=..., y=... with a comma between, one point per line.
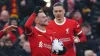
x=40, y=42
x=65, y=32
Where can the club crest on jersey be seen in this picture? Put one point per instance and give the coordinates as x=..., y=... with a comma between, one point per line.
x=67, y=31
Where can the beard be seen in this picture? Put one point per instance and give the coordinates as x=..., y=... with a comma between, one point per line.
x=43, y=24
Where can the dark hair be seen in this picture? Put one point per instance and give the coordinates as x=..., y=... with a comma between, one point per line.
x=14, y=18
x=40, y=11
x=58, y=4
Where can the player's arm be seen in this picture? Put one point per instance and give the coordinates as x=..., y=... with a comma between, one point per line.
x=29, y=22
x=6, y=30
x=79, y=33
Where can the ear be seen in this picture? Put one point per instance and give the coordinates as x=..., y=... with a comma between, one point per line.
x=36, y=20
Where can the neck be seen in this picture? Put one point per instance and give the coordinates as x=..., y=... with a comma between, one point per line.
x=40, y=28
x=61, y=20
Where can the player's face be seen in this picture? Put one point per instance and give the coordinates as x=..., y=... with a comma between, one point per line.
x=42, y=19
x=58, y=12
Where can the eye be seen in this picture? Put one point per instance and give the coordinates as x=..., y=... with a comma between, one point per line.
x=56, y=11
x=60, y=10
x=44, y=17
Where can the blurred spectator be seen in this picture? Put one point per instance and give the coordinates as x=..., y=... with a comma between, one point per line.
x=91, y=38
x=21, y=47
x=13, y=35
x=89, y=53
x=71, y=5
x=78, y=17
x=26, y=47
x=6, y=30
x=26, y=7
x=4, y=17
x=7, y=48
x=15, y=49
x=82, y=6
x=86, y=28
x=5, y=5
x=2, y=53
x=1, y=43
x=8, y=43
x=98, y=34
x=98, y=26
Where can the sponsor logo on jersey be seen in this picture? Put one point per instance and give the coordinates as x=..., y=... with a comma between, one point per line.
x=45, y=45
x=65, y=39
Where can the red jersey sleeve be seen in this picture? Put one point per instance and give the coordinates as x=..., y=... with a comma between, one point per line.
x=78, y=32
x=28, y=24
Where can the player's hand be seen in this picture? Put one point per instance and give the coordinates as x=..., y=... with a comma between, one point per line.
x=76, y=39
x=37, y=9
x=9, y=28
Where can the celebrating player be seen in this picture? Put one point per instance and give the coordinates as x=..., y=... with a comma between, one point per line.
x=39, y=37
x=66, y=29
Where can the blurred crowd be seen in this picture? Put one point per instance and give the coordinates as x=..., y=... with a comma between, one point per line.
x=16, y=12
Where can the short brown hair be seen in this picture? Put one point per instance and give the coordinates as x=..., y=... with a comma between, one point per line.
x=40, y=11
x=58, y=4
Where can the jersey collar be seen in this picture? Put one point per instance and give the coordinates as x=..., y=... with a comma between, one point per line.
x=60, y=23
x=40, y=30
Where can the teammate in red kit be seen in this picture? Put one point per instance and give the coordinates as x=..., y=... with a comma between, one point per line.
x=65, y=29
x=39, y=37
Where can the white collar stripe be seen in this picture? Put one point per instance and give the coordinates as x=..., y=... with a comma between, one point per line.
x=40, y=30
x=60, y=23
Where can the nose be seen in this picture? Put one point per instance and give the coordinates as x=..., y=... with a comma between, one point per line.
x=58, y=13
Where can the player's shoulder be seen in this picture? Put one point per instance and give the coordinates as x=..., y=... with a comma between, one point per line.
x=51, y=22
x=50, y=31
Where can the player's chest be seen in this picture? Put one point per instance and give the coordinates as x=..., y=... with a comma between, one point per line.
x=64, y=29
x=43, y=41
x=38, y=37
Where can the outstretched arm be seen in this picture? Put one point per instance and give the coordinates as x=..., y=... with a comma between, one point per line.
x=29, y=22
